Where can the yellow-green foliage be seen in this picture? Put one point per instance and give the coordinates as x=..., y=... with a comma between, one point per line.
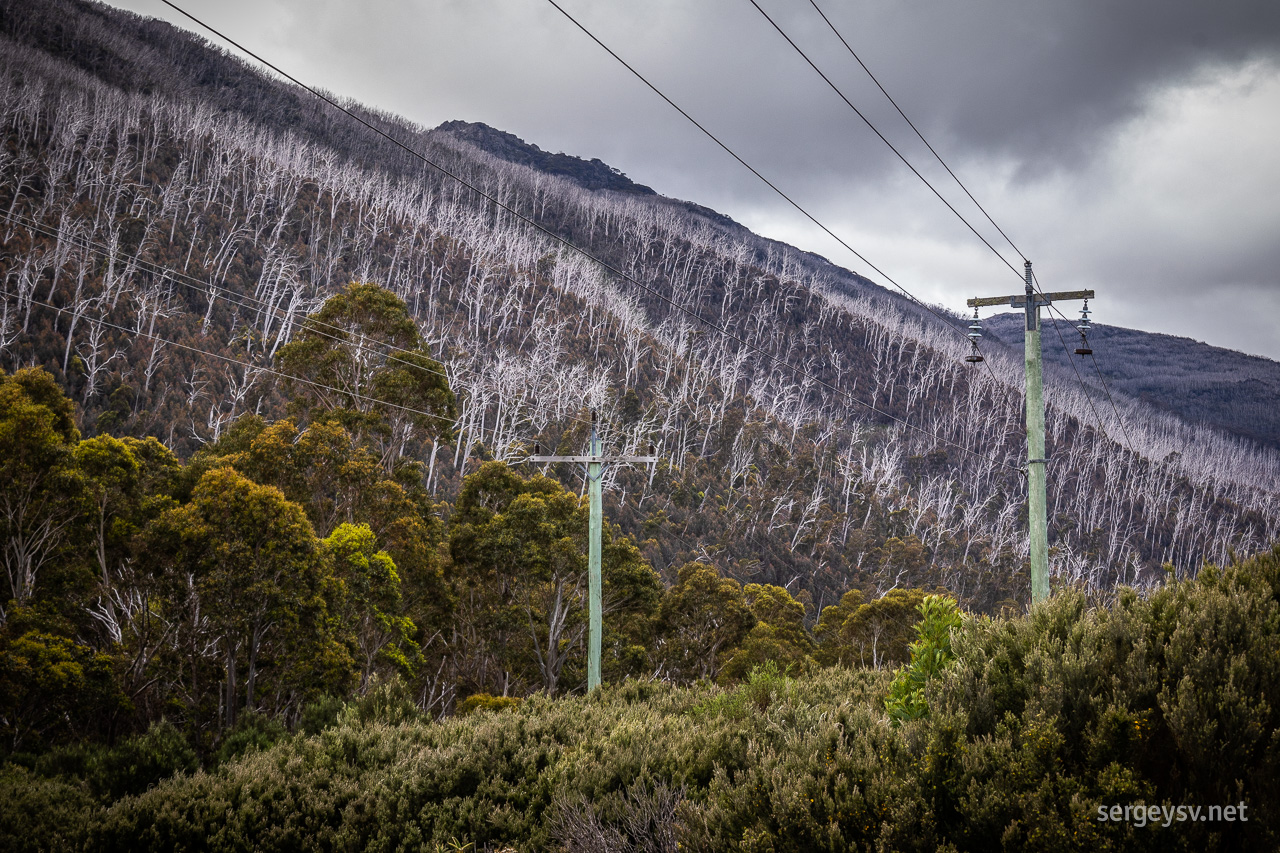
x=930, y=655
x=779, y=638
x=873, y=633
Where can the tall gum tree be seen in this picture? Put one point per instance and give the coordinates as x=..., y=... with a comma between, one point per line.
x=257, y=577
x=518, y=548
x=41, y=493
x=361, y=362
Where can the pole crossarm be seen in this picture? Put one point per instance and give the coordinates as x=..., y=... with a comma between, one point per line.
x=1020, y=300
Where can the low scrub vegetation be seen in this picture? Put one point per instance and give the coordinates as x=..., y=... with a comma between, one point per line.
x=1028, y=727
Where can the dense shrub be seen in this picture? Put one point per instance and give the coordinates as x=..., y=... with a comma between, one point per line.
x=140, y=762
x=1165, y=700
x=39, y=814
x=252, y=732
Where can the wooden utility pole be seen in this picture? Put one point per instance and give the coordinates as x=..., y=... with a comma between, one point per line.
x=595, y=466
x=1036, y=498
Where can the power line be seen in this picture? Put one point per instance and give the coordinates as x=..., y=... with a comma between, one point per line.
x=917, y=130
x=872, y=126
x=753, y=170
x=1107, y=390
x=239, y=300
x=246, y=364
x=960, y=183
x=874, y=129
x=569, y=245
x=1123, y=429
x=1079, y=379
x=883, y=138
x=913, y=169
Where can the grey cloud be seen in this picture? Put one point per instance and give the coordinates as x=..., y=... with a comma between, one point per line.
x=1041, y=80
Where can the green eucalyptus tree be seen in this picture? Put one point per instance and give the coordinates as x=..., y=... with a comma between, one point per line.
x=251, y=580
x=361, y=362
x=41, y=492
x=518, y=548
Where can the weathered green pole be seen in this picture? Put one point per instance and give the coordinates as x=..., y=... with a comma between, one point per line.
x=1038, y=534
x=595, y=464
x=595, y=469
x=1039, y=538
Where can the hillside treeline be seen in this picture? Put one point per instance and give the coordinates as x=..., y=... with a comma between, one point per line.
x=166, y=234
x=1154, y=712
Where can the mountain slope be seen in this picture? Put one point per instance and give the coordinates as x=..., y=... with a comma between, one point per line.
x=164, y=238
x=1196, y=382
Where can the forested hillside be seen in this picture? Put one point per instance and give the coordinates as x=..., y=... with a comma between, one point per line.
x=171, y=217
x=1197, y=382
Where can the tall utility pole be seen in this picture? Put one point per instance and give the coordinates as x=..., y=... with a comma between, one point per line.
x=1036, y=500
x=595, y=465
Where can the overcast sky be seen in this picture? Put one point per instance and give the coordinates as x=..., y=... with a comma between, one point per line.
x=1128, y=146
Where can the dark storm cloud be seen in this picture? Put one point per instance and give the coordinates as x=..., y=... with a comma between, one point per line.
x=1041, y=80
x=1036, y=81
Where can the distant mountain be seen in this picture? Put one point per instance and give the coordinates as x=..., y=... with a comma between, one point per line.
x=1197, y=382
x=588, y=174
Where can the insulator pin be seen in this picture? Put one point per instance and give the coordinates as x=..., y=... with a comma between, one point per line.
x=975, y=332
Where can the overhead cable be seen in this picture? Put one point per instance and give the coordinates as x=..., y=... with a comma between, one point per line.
x=954, y=176
x=1079, y=379
x=1123, y=429
x=883, y=138
x=946, y=321
x=569, y=245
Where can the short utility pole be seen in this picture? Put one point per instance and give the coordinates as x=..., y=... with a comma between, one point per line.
x=1036, y=500
x=595, y=466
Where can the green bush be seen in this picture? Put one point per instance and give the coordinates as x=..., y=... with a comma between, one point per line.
x=1167, y=699
x=388, y=702
x=252, y=732
x=930, y=655
x=319, y=714
x=138, y=763
x=40, y=814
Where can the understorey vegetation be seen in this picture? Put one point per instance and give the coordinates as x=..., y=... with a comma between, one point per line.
x=1034, y=724
x=284, y=643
